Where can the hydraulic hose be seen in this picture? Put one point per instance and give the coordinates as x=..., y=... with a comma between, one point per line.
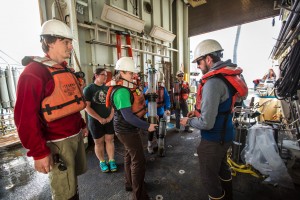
x=290, y=67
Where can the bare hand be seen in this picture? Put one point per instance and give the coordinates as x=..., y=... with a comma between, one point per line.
x=44, y=165
x=85, y=132
x=102, y=121
x=183, y=121
x=108, y=119
x=152, y=127
x=191, y=114
x=167, y=112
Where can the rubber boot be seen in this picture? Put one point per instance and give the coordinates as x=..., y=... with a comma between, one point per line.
x=216, y=198
x=227, y=187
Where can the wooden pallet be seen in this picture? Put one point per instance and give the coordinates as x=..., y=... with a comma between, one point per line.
x=9, y=139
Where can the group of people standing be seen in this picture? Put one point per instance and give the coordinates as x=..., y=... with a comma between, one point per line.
x=50, y=126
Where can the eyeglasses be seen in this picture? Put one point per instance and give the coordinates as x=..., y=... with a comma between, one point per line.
x=179, y=75
x=103, y=75
x=61, y=164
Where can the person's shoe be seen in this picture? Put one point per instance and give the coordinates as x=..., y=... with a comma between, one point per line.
x=112, y=165
x=128, y=188
x=150, y=147
x=177, y=130
x=188, y=131
x=103, y=166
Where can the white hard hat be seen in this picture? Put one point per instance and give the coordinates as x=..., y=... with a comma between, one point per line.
x=126, y=64
x=206, y=47
x=56, y=28
x=179, y=72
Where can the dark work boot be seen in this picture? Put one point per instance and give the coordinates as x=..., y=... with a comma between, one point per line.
x=227, y=187
x=217, y=198
x=75, y=197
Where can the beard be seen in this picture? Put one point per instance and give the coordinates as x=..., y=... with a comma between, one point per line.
x=205, y=69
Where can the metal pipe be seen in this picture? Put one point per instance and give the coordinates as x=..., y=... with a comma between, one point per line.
x=152, y=105
x=124, y=46
x=104, y=29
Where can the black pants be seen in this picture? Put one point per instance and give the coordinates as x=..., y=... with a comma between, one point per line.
x=184, y=109
x=213, y=166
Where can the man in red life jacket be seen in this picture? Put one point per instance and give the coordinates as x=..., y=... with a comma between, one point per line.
x=218, y=90
x=181, y=95
x=47, y=90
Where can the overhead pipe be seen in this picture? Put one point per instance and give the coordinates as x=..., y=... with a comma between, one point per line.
x=282, y=30
x=285, y=31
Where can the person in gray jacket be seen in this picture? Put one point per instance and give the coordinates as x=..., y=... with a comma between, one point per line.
x=220, y=85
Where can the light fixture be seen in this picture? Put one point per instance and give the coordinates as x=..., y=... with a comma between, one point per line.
x=82, y=3
x=122, y=18
x=195, y=3
x=162, y=34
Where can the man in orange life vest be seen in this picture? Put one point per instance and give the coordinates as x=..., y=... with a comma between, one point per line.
x=47, y=112
x=180, y=99
x=218, y=90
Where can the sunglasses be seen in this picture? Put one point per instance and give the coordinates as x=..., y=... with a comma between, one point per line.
x=59, y=162
x=199, y=60
x=179, y=75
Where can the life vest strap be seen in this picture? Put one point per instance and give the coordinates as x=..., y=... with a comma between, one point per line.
x=140, y=110
x=49, y=108
x=60, y=71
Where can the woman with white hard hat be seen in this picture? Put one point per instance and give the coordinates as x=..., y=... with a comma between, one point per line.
x=129, y=105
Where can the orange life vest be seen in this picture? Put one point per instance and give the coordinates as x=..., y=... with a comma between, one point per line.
x=185, y=90
x=232, y=75
x=138, y=103
x=67, y=97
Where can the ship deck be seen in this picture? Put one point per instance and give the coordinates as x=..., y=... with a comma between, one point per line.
x=173, y=177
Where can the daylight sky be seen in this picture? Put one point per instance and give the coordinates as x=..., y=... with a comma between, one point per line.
x=20, y=28
x=256, y=42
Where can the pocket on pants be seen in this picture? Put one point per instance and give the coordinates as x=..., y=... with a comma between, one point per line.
x=59, y=183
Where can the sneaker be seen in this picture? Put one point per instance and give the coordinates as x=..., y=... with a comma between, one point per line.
x=103, y=166
x=128, y=188
x=188, y=131
x=150, y=147
x=112, y=165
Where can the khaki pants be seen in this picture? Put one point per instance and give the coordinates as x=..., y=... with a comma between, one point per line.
x=71, y=151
